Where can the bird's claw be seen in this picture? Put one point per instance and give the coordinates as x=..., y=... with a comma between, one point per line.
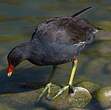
x=71, y=90
x=46, y=89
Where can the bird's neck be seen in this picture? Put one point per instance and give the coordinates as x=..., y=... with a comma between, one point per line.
x=24, y=50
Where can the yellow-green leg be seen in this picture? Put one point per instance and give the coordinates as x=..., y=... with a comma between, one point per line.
x=73, y=72
x=70, y=80
x=47, y=89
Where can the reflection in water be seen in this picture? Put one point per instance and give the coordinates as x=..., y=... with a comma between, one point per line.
x=17, y=22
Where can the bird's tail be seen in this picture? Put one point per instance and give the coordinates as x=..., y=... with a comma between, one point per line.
x=81, y=11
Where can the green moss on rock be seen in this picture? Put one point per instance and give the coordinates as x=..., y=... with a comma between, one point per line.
x=104, y=97
x=90, y=86
x=79, y=99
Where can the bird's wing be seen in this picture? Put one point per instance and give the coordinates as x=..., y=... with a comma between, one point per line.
x=64, y=52
x=63, y=30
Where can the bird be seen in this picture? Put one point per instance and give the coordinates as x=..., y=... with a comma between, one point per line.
x=55, y=41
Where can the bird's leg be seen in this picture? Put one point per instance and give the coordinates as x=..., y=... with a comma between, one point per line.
x=74, y=67
x=69, y=86
x=49, y=80
x=47, y=88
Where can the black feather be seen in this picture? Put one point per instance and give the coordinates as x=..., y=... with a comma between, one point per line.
x=81, y=11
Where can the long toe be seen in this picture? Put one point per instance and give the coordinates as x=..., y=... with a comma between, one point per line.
x=61, y=91
x=45, y=90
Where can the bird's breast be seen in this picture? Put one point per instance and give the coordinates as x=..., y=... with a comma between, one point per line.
x=53, y=54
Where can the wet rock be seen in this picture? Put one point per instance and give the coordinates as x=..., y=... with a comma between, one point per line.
x=79, y=99
x=104, y=97
x=90, y=86
x=77, y=109
x=5, y=107
x=39, y=108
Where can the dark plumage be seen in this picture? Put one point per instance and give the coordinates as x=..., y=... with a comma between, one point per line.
x=54, y=41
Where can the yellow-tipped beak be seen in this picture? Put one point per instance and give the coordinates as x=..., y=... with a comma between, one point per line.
x=10, y=70
x=9, y=74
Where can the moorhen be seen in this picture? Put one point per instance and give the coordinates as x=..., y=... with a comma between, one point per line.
x=55, y=41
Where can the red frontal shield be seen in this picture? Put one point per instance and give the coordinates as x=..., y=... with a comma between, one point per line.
x=10, y=70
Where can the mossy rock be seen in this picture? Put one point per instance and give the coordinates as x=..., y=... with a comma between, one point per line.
x=90, y=86
x=79, y=99
x=5, y=107
x=77, y=109
x=104, y=97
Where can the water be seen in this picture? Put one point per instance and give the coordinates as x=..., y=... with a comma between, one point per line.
x=17, y=21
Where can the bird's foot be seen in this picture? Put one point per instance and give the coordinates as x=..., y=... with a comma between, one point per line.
x=47, y=90
x=68, y=87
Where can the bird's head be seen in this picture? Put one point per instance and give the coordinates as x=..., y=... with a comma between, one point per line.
x=15, y=57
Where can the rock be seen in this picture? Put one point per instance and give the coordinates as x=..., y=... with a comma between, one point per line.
x=79, y=99
x=90, y=86
x=104, y=97
x=39, y=108
x=5, y=107
x=27, y=100
x=77, y=109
